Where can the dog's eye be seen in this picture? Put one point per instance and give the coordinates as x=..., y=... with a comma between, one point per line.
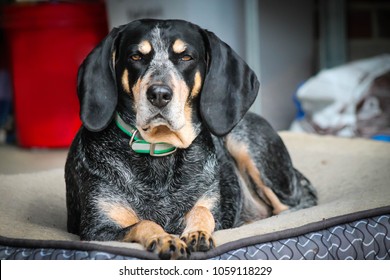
x=186, y=58
x=135, y=57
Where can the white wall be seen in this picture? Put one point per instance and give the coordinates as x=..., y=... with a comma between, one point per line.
x=286, y=56
x=223, y=17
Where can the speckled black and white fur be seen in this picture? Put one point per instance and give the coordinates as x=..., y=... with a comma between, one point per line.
x=230, y=167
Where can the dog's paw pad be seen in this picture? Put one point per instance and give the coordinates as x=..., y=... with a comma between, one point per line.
x=199, y=241
x=168, y=247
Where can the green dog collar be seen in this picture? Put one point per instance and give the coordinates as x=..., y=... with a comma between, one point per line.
x=141, y=146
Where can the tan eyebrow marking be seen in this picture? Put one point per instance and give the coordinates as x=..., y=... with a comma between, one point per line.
x=179, y=46
x=145, y=47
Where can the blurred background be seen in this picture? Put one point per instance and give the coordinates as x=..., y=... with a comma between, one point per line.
x=289, y=44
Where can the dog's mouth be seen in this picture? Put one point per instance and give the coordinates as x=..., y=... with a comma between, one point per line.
x=159, y=129
x=158, y=121
x=158, y=133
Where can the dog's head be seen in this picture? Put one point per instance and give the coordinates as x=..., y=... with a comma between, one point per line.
x=171, y=76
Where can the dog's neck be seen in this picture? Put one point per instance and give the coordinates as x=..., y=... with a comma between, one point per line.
x=141, y=146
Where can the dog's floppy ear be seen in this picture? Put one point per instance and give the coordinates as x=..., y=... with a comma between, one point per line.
x=96, y=87
x=229, y=89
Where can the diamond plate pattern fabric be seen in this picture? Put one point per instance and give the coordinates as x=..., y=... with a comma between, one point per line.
x=363, y=239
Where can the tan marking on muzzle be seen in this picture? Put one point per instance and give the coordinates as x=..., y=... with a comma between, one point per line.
x=183, y=137
x=136, y=89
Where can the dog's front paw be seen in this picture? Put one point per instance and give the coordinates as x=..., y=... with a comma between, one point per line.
x=198, y=241
x=168, y=247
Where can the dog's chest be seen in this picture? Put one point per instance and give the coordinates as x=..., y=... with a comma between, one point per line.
x=164, y=203
x=164, y=190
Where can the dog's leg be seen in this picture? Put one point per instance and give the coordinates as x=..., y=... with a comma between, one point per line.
x=200, y=225
x=149, y=234
x=247, y=168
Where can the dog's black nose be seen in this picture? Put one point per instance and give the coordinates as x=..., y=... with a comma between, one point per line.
x=159, y=95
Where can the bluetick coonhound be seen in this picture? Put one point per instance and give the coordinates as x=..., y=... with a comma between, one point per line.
x=167, y=153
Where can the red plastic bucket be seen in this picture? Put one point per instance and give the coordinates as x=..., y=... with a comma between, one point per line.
x=47, y=43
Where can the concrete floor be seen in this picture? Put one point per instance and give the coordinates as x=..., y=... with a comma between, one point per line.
x=15, y=160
